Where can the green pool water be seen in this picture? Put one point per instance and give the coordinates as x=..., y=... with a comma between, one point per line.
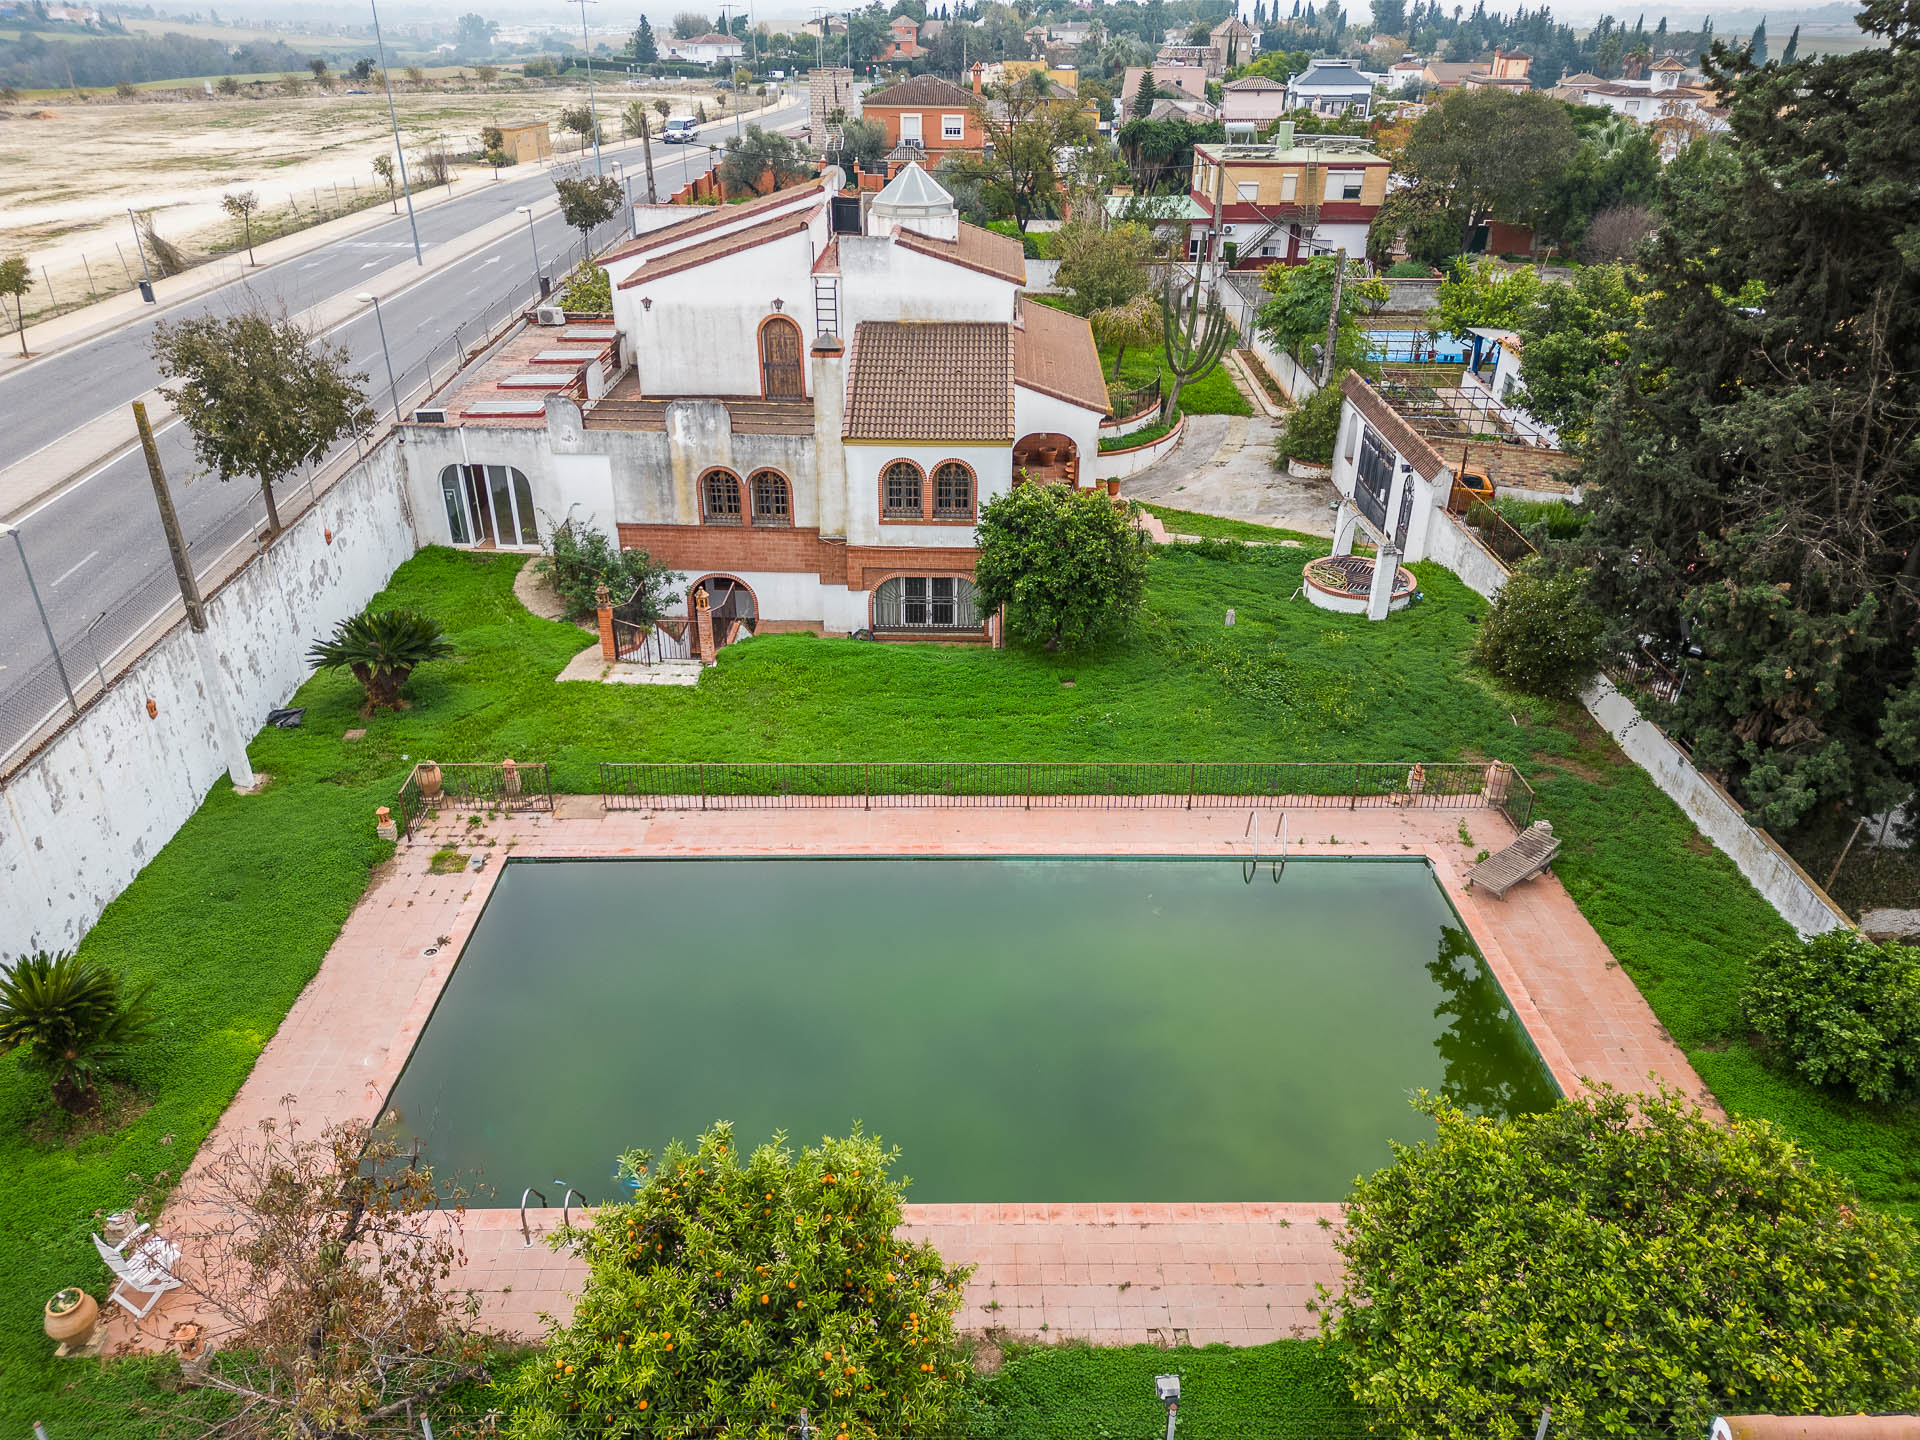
x=1041, y=1030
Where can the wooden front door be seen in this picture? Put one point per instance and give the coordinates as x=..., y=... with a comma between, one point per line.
x=780, y=373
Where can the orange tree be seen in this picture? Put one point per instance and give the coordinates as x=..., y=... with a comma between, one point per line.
x=727, y=1296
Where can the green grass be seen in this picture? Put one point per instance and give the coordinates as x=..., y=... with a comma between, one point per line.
x=1212, y=394
x=233, y=916
x=1216, y=527
x=1145, y=435
x=1292, y=1388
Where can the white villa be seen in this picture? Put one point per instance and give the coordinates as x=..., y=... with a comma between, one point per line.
x=800, y=404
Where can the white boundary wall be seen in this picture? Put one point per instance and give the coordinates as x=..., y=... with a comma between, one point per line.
x=1782, y=883
x=79, y=820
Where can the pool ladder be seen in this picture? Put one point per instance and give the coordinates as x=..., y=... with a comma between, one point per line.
x=1250, y=868
x=566, y=1209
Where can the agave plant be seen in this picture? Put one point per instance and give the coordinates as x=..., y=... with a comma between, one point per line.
x=69, y=1018
x=382, y=649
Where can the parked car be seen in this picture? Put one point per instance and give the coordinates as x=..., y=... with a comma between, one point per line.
x=680, y=131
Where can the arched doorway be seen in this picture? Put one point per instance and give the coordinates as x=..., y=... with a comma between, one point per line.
x=732, y=605
x=781, y=374
x=1046, y=458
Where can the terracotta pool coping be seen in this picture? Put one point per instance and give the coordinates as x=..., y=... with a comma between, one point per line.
x=1113, y=1272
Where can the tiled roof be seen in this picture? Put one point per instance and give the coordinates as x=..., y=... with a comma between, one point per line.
x=715, y=249
x=1411, y=444
x=1001, y=256
x=921, y=90
x=1054, y=353
x=945, y=381
x=1254, y=82
x=711, y=217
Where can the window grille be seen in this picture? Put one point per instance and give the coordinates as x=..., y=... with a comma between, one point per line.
x=953, y=492
x=1373, y=478
x=723, y=497
x=925, y=602
x=900, y=486
x=772, y=500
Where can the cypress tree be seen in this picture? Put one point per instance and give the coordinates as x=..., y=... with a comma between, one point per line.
x=1757, y=46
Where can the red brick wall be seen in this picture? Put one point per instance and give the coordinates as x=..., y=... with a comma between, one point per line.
x=706, y=549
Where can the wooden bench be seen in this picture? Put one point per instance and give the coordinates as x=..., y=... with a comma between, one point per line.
x=1522, y=860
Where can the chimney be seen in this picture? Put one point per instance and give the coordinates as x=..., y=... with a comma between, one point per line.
x=977, y=69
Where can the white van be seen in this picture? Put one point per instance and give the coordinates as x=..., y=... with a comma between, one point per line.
x=679, y=131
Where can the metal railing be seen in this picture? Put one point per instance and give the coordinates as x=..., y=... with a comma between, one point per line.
x=1503, y=542
x=509, y=786
x=1132, y=404
x=1096, y=785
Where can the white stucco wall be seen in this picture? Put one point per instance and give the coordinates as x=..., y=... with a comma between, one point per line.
x=1451, y=544
x=881, y=280
x=84, y=815
x=993, y=475
x=1035, y=413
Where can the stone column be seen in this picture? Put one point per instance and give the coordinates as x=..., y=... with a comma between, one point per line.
x=1344, y=524
x=828, y=358
x=1386, y=566
x=603, y=597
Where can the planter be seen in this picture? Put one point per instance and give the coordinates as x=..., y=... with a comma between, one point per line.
x=1046, y=456
x=1113, y=487
x=428, y=776
x=72, y=1323
x=1301, y=470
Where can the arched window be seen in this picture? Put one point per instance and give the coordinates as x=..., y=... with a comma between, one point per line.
x=772, y=498
x=488, y=505
x=952, y=491
x=900, y=492
x=720, y=497
x=925, y=602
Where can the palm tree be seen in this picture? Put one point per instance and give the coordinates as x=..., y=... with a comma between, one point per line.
x=382, y=649
x=68, y=1015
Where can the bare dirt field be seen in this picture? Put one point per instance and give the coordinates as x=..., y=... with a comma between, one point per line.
x=69, y=172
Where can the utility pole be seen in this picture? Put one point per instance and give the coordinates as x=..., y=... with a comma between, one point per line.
x=646, y=149
x=233, y=743
x=1333, y=314
x=399, y=152
x=593, y=108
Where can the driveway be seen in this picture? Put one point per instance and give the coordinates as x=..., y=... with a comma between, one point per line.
x=1224, y=466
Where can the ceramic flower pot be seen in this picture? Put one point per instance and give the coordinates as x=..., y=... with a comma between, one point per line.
x=429, y=777
x=70, y=1317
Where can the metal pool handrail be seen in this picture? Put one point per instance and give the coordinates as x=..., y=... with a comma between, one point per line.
x=526, y=1233
x=566, y=1200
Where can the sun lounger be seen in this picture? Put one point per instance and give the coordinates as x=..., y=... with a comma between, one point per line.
x=1522, y=860
x=145, y=1269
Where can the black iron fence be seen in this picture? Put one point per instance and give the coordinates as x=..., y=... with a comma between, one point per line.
x=1036, y=785
x=509, y=786
x=1491, y=528
x=1131, y=404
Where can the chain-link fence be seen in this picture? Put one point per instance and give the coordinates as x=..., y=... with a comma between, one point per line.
x=102, y=614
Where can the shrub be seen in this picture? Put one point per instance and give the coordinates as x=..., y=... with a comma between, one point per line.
x=382, y=648
x=1409, y=270
x=725, y=1298
x=1313, y=427
x=1070, y=566
x=1627, y=1259
x=588, y=288
x=70, y=1018
x=1541, y=635
x=1543, y=521
x=1842, y=1010
x=580, y=559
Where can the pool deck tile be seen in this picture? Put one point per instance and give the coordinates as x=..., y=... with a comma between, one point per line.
x=1115, y=1272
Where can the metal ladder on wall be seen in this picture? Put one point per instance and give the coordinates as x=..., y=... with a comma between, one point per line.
x=826, y=305
x=1251, y=868
x=566, y=1209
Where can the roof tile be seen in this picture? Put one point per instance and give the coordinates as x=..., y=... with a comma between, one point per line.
x=990, y=253
x=950, y=380
x=920, y=90
x=1054, y=353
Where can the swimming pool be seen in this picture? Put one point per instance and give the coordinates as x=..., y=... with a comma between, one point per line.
x=1040, y=1030
x=1412, y=345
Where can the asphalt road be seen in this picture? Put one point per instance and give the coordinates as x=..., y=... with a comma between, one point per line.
x=96, y=550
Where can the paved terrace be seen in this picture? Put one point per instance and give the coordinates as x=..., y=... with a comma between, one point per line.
x=1114, y=1273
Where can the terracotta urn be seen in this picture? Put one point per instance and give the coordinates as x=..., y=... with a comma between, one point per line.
x=70, y=1317
x=428, y=774
x=1113, y=486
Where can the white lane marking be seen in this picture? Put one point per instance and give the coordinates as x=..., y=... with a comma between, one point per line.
x=67, y=574
x=370, y=264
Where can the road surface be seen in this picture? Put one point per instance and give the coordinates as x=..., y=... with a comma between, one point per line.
x=95, y=548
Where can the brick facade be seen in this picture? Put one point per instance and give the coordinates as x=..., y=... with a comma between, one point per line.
x=710, y=549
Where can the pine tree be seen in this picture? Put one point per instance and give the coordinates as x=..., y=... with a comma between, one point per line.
x=1754, y=466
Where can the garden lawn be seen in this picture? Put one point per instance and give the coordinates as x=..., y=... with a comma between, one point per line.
x=1292, y=1388
x=1218, y=527
x=237, y=912
x=1213, y=394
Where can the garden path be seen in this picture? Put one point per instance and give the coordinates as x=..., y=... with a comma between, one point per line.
x=1225, y=467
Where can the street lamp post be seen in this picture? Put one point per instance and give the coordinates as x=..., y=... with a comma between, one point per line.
x=539, y=279
x=147, y=289
x=58, y=663
x=392, y=389
x=593, y=109
x=400, y=154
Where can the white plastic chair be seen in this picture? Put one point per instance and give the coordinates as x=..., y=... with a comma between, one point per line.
x=146, y=1267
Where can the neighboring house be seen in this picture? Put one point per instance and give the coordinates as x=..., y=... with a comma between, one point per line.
x=928, y=114
x=1507, y=72
x=825, y=26
x=799, y=409
x=1192, y=112
x=1233, y=43
x=1254, y=99
x=829, y=88
x=1189, y=80
x=705, y=49
x=1663, y=99
x=1198, y=57
x=1573, y=88
x=1287, y=202
x=1331, y=87
x=1406, y=72
x=903, y=39
x=1449, y=74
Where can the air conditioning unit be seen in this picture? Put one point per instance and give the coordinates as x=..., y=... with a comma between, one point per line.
x=429, y=417
x=549, y=315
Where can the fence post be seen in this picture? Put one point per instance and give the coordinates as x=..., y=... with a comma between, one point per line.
x=1190, y=776
x=866, y=803
x=1029, y=785
x=703, y=786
